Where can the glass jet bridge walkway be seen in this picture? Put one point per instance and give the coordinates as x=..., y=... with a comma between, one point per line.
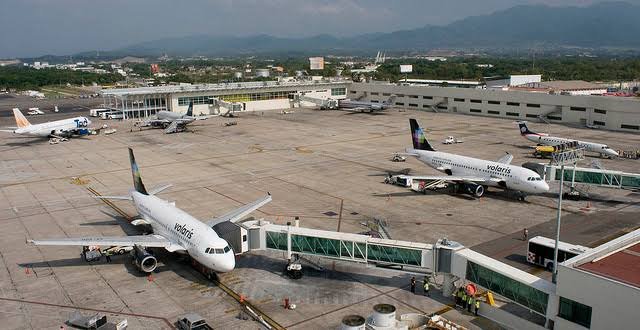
x=444, y=258
x=594, y=176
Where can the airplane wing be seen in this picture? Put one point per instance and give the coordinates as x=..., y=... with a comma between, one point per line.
x=506, y=159
x=141, y=240
x=447, y=178
x=240, y=212
x=154, y=122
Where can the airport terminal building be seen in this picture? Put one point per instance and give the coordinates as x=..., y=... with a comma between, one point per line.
x=253, y=96
x=608, y=112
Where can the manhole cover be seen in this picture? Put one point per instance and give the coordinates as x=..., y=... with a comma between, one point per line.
x=354, y=213
x=330, y=213
x=449, y=214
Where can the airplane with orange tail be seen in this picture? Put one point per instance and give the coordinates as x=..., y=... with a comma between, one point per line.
x=59, y=129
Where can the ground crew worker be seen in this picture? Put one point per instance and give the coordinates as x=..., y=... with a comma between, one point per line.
x=458, y=295
x=525, y=234
x=413, y=284
x=107, y=256
x=470, y=303
x=464, y=299
x=425, y=286
x=477, y=306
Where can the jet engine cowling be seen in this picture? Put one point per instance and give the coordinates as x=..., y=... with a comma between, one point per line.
x=144, y=260
x=472, y=189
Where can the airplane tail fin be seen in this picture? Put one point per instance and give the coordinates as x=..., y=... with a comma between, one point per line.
x=419, y=140
x=190, y=109
x=137, y=180
x=21, y=120
x=524, y=129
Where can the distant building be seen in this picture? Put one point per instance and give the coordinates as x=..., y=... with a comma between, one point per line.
x=316, y=63
x=564, y=87
x=444, y=83
x=155, y=68
x=513, y=80
x=263, y=73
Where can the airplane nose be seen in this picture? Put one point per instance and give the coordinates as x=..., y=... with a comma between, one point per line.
x=613, y=153
x=228, y=264
x=544, y=186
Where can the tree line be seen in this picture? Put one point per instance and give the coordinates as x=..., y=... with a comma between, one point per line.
x=23, y=78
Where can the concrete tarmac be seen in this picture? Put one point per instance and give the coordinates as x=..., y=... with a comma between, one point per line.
x=312, y=162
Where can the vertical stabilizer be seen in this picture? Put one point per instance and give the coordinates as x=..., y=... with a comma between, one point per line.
x=190, y=109
x=524, y=130
x=137, y=180
x=21, y=121
x=417, y=135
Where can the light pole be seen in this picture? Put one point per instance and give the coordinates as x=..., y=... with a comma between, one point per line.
x=565, y=154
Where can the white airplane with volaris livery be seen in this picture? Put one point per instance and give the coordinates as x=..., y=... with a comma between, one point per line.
x=173, y=229
x=63, y=128
x=545, y=139
x=473, y=175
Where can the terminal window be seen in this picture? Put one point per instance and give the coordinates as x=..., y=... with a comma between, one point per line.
x=513, y=114
x=413, y=96
x=184, y=101
x=375, y=101
x=475, y=110
x=599, y=123
x=578, y=109
x=428, y=97
x=513, y=104
x=554, y=117
x=339, y=91
x=531, y=115
x=493, y=102
x=413, y=105
x=636, y=127
x=458, y=100
x=386, y=94
x=399, y=103
x=375, y=93
x=604, y=112
x=476, y=101
x=492, y=112
x=533, y=105
x=575, y=312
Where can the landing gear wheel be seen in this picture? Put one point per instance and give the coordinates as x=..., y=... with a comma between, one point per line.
x=521, y=198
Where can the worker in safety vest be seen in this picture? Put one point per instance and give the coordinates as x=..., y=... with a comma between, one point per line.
x=477, y=306
x=470, y=303
x=458, y=295
x=464, y=300
x=413, y=284
x=425, y=286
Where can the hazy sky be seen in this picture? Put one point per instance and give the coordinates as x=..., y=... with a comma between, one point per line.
x=38, y=27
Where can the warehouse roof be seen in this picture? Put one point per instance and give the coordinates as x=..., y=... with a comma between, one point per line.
x=618, y=260
x=218, y=87
x=564, y=85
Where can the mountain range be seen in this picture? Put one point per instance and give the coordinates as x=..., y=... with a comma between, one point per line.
x=602, y=25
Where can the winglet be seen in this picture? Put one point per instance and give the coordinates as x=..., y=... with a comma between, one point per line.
x=21, y=120
x=135, y=172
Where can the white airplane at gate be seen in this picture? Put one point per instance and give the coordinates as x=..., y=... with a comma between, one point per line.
x=545, y=139
x=473, y=175
x=173, y=229
x=59, y=128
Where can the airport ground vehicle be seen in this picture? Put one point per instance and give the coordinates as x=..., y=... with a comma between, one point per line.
x=544, y=151
x=451, y=140
x=116, y=116
x=97, y=112
x=540, y=251
x=192, y=321
x=106, y=114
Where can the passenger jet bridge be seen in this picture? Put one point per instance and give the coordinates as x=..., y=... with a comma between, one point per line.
x=449, y=259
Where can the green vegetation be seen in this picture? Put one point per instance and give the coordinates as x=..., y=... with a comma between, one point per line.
x=22, y=78
x=571, y=68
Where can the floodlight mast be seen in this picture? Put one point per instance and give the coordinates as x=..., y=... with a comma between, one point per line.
x=564, y=154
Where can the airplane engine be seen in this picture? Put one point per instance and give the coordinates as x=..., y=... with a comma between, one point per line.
x=144, y=260
x=472, y=189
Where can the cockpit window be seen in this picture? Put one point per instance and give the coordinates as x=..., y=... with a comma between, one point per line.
x=226, y=249
x=219, y=251
x=206, y=251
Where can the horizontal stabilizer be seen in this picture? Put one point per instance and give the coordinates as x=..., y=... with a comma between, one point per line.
x=159, y=189
x=127, y=198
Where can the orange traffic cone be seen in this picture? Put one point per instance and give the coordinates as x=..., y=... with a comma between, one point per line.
x=150, y=278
